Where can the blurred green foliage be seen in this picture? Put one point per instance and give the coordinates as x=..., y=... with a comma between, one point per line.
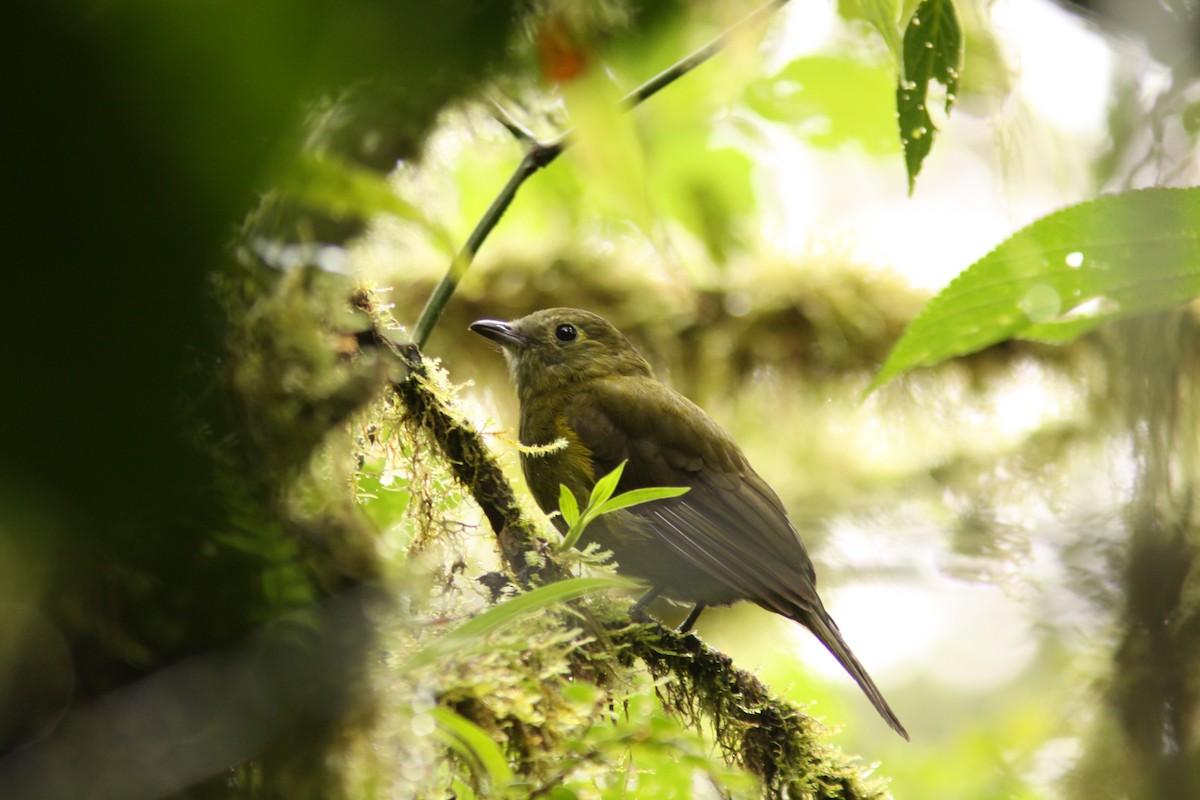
x=832, y=101
x=204, y=480
x=162, y=493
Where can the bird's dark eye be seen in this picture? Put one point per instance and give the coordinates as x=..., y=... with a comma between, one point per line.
x=566, y=332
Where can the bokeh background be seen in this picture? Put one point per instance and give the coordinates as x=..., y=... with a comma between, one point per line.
x=750, y=228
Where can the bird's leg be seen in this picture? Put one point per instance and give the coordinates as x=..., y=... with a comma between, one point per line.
x=692, y=616
x=639, y=608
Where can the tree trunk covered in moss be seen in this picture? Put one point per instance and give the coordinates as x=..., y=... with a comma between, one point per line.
x=182, y=601
x=1148, y=743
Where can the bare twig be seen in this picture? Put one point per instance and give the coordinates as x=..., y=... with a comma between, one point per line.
x=539, y=154
x=514, y=126
x=683, y=67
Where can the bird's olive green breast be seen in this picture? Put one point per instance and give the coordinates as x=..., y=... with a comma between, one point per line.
x=543, y=421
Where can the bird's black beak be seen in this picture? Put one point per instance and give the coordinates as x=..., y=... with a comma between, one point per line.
x=500, y=332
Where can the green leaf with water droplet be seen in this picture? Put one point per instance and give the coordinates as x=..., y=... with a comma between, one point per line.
x=932, y=52
x=1116, y=256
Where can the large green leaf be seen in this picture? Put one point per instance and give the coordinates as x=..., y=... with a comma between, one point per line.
x=1116, y=256
x=932, y=52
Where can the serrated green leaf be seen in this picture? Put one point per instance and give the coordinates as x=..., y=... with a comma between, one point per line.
x=475, y=629
x=636, y=497
x=567, y=505
x=605, y=487
x=933, y=46
x=932, y=52
x=472, y=742
x=1116, y=256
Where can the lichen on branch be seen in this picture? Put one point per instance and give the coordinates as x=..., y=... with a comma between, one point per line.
x=755, y=731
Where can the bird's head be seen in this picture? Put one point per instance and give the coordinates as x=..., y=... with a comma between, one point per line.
x=549, y=350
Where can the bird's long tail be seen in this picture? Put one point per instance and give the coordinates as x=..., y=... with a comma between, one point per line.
x=824, y=628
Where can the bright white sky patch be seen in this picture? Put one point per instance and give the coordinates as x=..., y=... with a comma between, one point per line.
x=969, y=195
x=1064, y=68
x=934, y=629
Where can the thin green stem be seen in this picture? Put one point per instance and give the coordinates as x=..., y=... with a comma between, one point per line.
x=519, y=131
x=686, y=65
x=537, y=156
x=541, y=154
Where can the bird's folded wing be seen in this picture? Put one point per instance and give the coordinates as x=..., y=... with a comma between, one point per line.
x=730, y=524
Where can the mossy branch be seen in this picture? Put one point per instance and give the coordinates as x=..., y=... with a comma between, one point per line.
x=524, y=552
x=759, y=732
